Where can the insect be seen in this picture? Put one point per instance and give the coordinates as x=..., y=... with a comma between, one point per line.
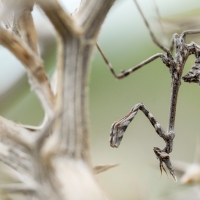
x=176, y=65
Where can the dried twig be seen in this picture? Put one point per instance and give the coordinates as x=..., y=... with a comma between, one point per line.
x=65, y=113
x=62, y=22
x=33, y=65
x=25, y=25
x=101, y=168
x=14, y=132
x=17, y=188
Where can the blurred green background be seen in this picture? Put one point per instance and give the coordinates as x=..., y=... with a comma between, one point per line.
x=126, y=42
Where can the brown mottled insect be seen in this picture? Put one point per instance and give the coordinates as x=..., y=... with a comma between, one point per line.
x=175, y=65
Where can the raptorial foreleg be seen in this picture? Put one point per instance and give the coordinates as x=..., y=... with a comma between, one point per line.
x=119, y=127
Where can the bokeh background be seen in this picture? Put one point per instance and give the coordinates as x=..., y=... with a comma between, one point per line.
x=126, y=42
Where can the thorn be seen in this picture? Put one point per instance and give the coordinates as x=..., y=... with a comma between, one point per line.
x=101, y=168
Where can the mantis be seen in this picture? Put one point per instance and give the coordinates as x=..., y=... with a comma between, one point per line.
x=175, y=64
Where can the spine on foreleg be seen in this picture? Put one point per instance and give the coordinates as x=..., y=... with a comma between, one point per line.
x=118, y=128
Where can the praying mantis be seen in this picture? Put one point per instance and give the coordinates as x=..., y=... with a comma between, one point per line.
x=176, y=65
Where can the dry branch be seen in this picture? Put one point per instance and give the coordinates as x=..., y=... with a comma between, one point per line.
x=34, y=66
x=25, y=25
x=101, y=168
x=62, y=22
x=14, y=132
x=57, y=154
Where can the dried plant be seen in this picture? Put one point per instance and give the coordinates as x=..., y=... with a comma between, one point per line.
x=53, y=161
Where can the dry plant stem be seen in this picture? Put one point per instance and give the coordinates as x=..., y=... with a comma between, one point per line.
x=74, y=125
x=75, y=46
x=75, y=81
x=17, y=188
x=90, y=21
x=26, y=30
x=34, y=67
x=15, y=148
x=26, y=26
x=62, y=22
x=63, y=172
x=12, y=156
x=15, y=132
x=43, y=132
